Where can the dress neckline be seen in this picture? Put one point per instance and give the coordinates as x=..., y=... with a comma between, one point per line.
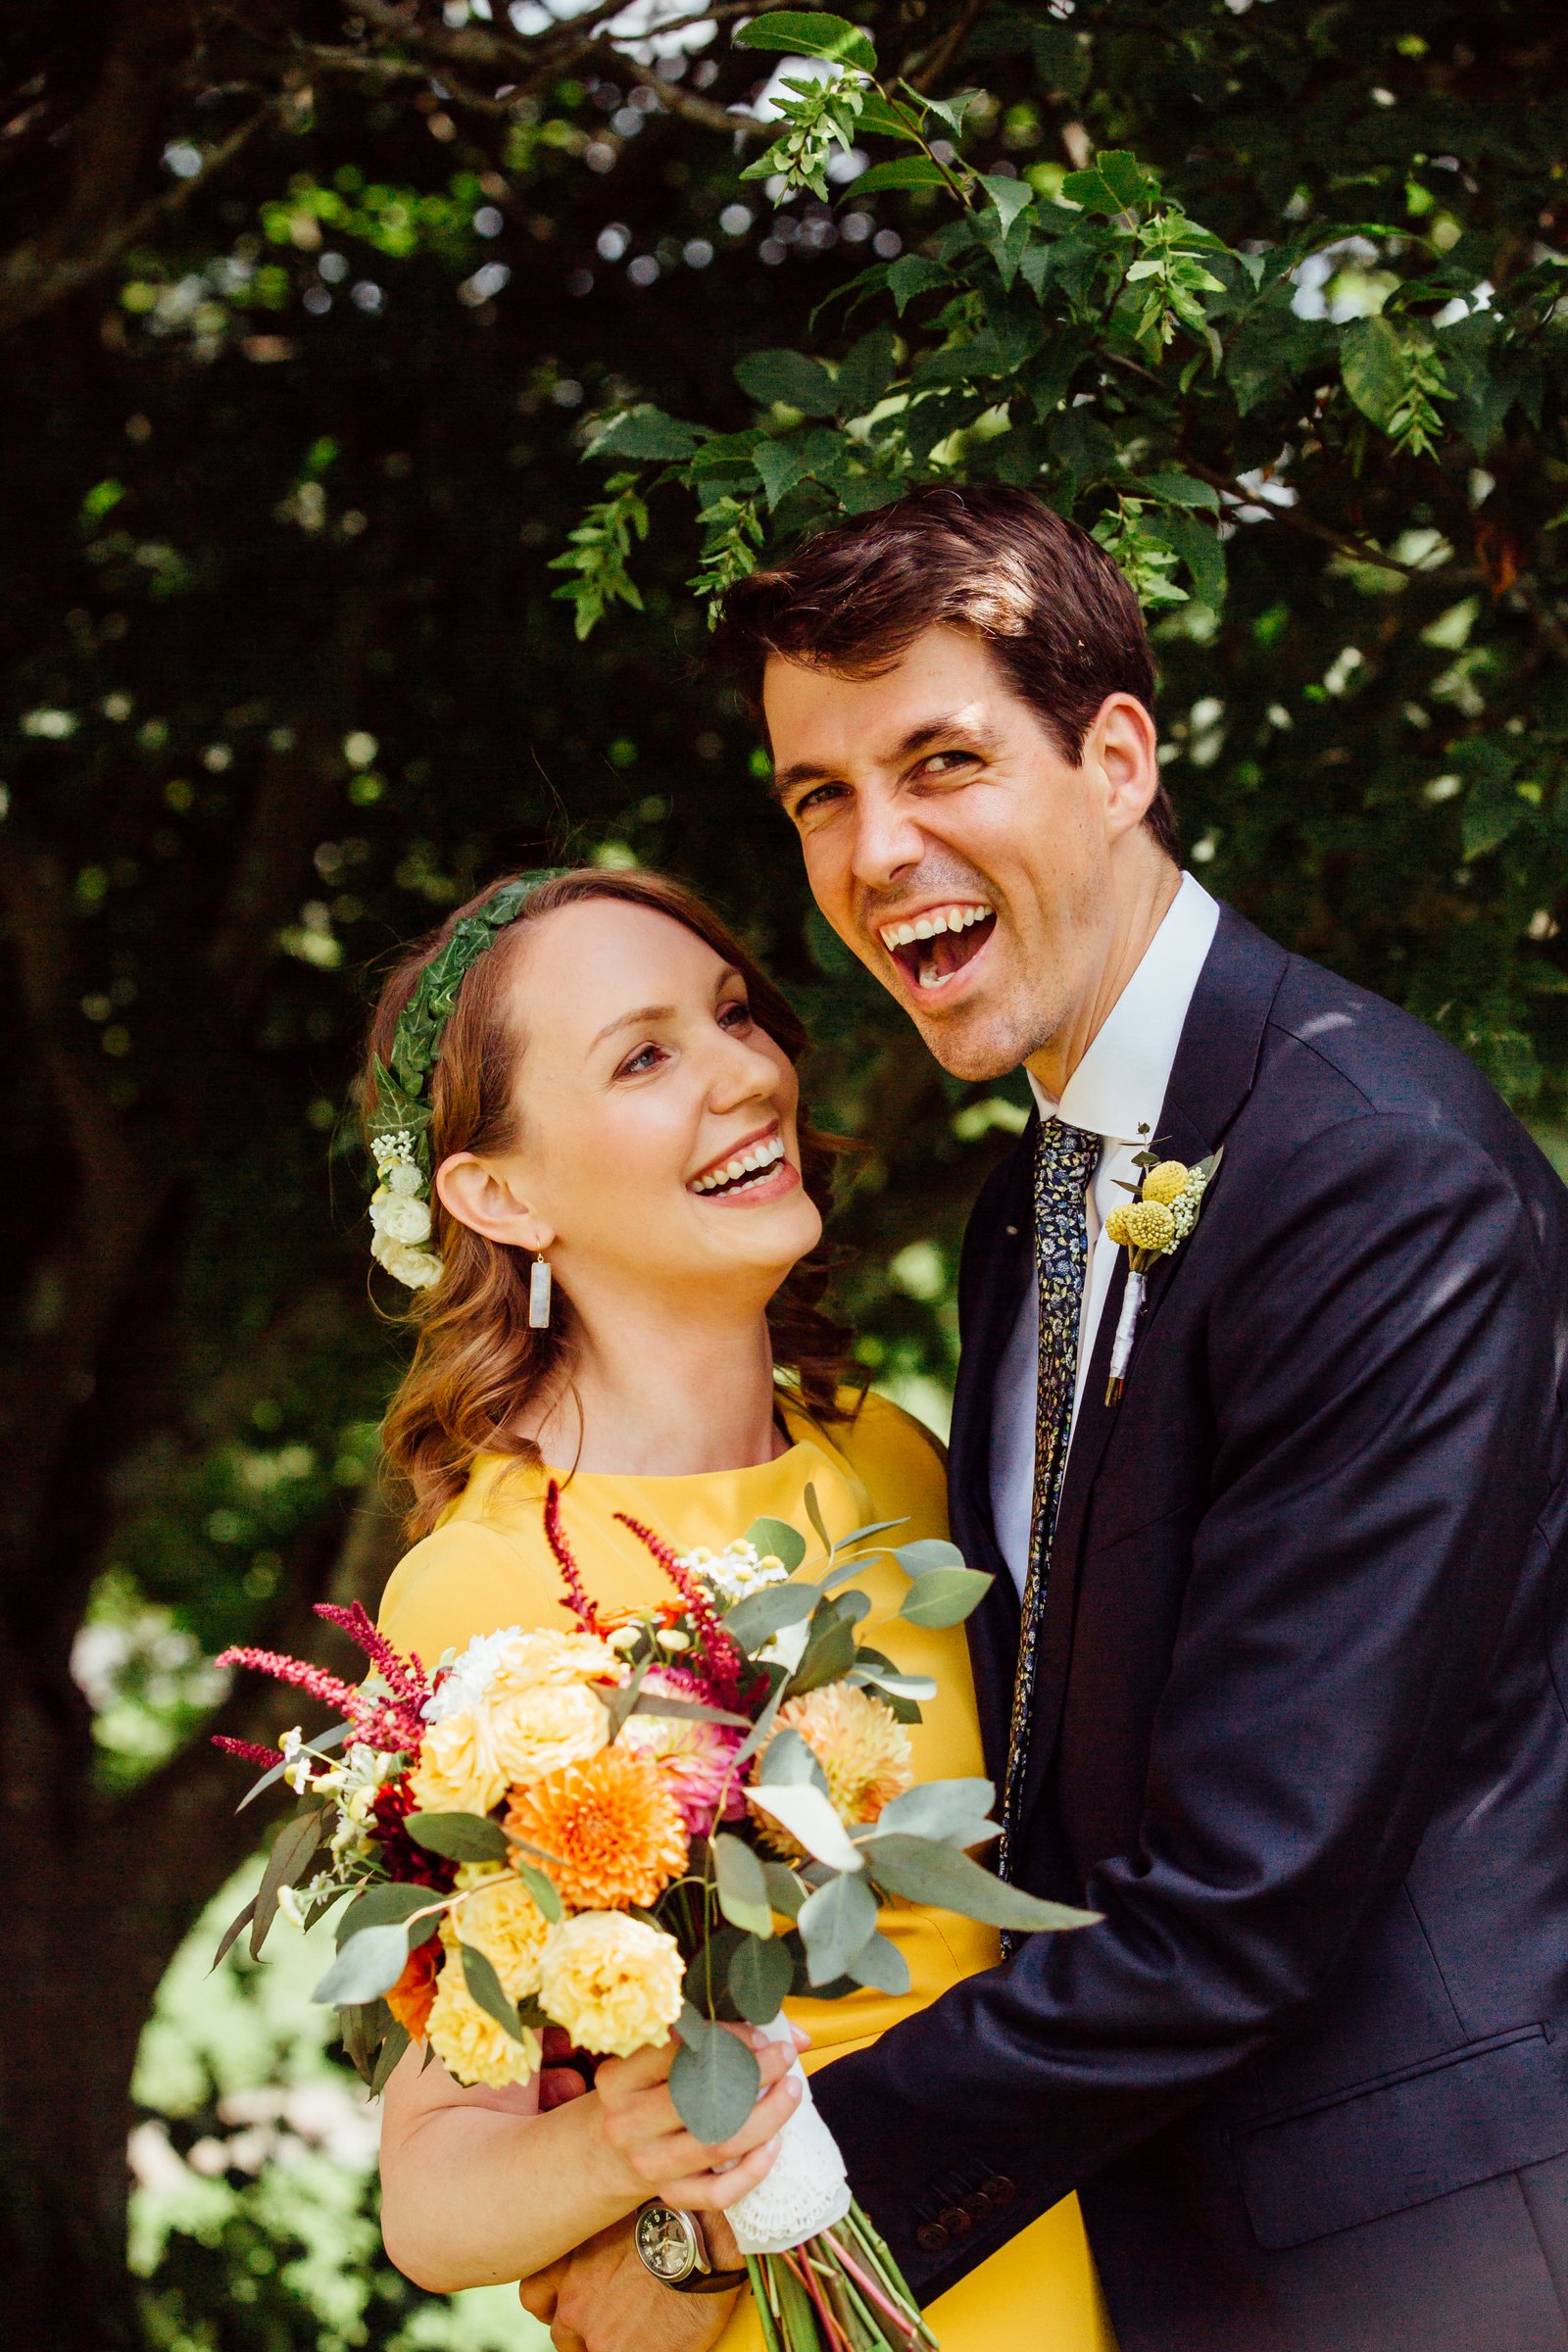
x=808, y=1439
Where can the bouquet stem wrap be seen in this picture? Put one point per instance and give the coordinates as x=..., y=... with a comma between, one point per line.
x=808, y=2189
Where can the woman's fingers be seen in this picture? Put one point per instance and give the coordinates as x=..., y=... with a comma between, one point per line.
x=716, y=2192
x=676, y=2153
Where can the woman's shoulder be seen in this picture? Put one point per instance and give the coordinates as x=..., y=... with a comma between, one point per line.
x=903, y=1464
x=469, y=1576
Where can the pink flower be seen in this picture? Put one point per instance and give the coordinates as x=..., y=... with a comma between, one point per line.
x=695, y=1760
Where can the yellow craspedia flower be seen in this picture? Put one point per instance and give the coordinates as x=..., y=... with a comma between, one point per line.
x=458, y=1771
x=1167, y=1182
x=526, y=1660
x=1116, y=1224
x=1149, y=1225
x=545, y=1728
x=470, y=2045
x=501, y=1919
x=862, y=1748
x=614, y=1984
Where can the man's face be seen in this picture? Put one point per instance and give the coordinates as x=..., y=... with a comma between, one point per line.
x=952, y=847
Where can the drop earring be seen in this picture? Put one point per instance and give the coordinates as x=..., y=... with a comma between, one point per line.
x=540, y=1285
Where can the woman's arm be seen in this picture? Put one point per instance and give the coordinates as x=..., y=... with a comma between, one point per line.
x=478, y=2186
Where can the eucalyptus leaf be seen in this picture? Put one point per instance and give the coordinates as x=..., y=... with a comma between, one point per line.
x=392, y=1904
x=811, y=1822
x=927, y=1873
x=881, y=1965
x=836, y=1922
x=776, y=1538
x=479, y=1975
x=294, y=1848
x=754, y=1620
x=620, y=1703
x=938, y=1808
x=760, y=1974
x=391, y=2051
x=368, y=1964
x=829, y=1653
x=790, y=1763
x=459, y=1836
x=930, y=1552
x=715, y=2080
x=786, y=1892
x=945, y=1596
x=742, y=1885
x=543, y=1890
x=814, y=1513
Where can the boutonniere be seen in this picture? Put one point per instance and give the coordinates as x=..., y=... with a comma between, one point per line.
x=1151, y=1225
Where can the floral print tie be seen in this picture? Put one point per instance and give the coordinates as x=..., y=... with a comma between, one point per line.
x=1065, y=1164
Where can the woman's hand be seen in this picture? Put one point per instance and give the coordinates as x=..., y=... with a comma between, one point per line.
x=659, y=2156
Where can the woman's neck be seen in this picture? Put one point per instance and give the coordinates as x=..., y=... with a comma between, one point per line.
x=655, y=1393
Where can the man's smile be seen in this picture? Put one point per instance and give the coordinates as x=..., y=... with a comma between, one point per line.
x=931, y=946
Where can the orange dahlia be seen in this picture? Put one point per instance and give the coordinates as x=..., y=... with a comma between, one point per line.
x=613, y=1826
x=862, y=1746
x=411, y=1997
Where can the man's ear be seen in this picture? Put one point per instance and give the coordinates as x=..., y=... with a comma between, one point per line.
x=473, y=1191
x=1122, y=745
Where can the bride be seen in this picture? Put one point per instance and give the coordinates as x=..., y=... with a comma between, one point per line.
x=619, y=1146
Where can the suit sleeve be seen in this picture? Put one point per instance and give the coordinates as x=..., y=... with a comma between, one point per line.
x=1379, y=1362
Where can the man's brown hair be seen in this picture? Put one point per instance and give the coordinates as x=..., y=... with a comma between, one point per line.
x=1050, y=605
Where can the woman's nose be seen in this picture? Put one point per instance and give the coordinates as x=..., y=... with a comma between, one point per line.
x=745, y=1073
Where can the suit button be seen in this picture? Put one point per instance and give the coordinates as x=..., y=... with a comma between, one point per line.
x=931, y=2237
x=1000, y=2190
x=978, y=2205
x=956, y=2221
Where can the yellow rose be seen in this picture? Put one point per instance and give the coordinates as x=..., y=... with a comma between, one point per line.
x=544, y=1729
x=613, y=1982
x=470, y=2045
x=1167, y=1182
x=501, y=1919
x=458, y=1771
x=527, y=1659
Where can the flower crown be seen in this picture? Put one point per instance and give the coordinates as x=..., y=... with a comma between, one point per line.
x=398, y=1125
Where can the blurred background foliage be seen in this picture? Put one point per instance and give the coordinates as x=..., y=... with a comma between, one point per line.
x=311, y=310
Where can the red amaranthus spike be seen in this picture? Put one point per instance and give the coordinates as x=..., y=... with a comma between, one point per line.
x=314, y=1679
x=722, y=1654
x=405, y=1678
x=577, y=1600
x=249, y=1751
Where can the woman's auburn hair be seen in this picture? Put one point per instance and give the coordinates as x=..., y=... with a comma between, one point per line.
x=476, y=1361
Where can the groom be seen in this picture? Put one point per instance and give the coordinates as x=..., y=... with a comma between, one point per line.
x=1274, y=1667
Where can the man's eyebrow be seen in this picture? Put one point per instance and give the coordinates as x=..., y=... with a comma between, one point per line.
x=919, y=739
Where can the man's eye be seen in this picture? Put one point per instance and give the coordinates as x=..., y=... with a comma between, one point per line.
x=945, y=764
x=815, y=801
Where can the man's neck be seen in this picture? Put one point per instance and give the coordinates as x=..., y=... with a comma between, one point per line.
x=1142, y=899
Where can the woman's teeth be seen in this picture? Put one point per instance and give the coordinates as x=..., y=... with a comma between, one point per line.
x=744, y=1168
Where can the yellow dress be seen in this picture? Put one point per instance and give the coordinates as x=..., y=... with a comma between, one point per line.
x=486, y=1565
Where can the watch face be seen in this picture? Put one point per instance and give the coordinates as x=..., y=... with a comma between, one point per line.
x=667, y=2240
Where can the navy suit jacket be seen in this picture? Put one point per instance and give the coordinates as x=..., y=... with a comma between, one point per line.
x=1299, y=1730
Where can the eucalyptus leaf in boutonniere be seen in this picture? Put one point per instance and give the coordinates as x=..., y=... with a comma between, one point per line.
x=1151, y=1225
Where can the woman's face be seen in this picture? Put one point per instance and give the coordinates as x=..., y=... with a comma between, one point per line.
x=657, y=1143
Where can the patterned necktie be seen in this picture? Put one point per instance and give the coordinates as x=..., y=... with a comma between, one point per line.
x=1065, y=1164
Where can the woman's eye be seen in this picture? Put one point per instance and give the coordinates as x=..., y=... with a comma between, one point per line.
x=636, y=1066
x=736, y=1015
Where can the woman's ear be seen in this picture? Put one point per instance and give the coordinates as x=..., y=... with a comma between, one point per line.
x=474, y=1194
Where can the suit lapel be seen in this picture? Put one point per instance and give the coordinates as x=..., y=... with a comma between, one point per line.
x=1211, y=1078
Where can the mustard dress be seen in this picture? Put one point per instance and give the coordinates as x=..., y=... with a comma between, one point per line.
x=486, y=1565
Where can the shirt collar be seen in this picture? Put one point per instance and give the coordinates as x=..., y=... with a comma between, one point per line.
x=1118, y=1088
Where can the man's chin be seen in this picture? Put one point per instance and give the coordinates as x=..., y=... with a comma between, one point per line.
x=972, y=1047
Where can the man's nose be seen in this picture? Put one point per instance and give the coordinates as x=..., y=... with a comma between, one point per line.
x=887, y=841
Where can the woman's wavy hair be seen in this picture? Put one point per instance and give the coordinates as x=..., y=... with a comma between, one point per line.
x=476, y=1359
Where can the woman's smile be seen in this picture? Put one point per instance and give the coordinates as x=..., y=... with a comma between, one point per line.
x=755, y=1170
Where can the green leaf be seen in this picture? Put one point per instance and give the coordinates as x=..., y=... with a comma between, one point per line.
x=889, y=117
x=485, y=1985
x=1009, y=197
x=1114, y=183
x=622, y=1704
x=790, y=376
x=786, y=1891
x=1201, y=548
x=790, y=1764
x=836, y=1922
x=914, y=274
x=322, y=1746
x=811, y=1822
x=645, y=433
x=809, y=32
x=742, y=1885
x=926, y=1873
x=294, y=1849
x=543, y=1890
x=715, y=2080
x=392, y=2049
x=945, y=1596
x=930, y=1552
x=901, y=172
x=829, y=1651
x=368, y=1964
x=460, y=1836
x=392, y=1903
x=761, y=1615
x=1179, y=490
x=951, y=111
x=781, y=464
x=880, y=1964
x=814, y=1513
x=235, y=1927
x=1371, y=361
x=761, y=1972
x=865, y=372
x=776, y=1535
x=939, y=1809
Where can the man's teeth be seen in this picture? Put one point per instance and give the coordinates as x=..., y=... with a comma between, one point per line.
x=926, y=926
x=744, y=1163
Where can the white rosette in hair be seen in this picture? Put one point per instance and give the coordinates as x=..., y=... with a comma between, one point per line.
x=808, y=2189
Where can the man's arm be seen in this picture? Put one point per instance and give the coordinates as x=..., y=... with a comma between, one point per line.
x=1379, y=1351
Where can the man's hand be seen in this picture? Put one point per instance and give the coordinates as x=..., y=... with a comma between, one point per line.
x=600, y=2299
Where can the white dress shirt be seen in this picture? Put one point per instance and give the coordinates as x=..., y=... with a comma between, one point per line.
x=1116, y=1092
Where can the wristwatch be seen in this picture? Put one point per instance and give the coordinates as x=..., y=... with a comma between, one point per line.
x=671, y=2248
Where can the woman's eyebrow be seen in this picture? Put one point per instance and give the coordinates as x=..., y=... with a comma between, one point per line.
x=631, y=1020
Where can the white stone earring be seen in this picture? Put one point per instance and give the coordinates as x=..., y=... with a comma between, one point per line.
x=539, y=1288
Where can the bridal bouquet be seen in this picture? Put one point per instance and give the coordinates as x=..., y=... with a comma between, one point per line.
x=666, y=1820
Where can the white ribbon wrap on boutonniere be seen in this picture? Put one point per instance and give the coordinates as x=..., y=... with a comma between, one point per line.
x=1151, y=1225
